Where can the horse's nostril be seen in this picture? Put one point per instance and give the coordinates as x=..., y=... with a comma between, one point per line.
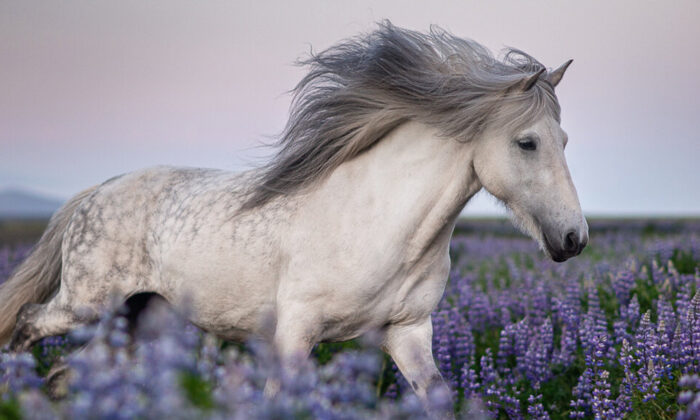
x=571, y=242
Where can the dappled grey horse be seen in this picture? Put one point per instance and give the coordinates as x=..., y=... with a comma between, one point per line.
x=346, y=230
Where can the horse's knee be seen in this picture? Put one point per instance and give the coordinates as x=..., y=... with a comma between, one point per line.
x=435, y=381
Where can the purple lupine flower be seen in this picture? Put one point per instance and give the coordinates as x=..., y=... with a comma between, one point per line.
x=623, y=402
x=51, y=346
x=511, y=404
x=505, y=348
x=391, y=392
x=686, y=339
x=689, y=397
x=663, y=357
x=469, y=382
x=535, y=409
x=675, y=352
x=569, y=313
x=571, y=306
x=684, y=348
x=567, y=347
x=622, y=284
x=594, y=323
x=439, y=319
x=490, y=389
x=442, y=354
x=620, y=332
x=539, y=353
x=17, y=373
x=480, y=313
x=642, y=334
x=540, y=305
x=657, y=272
x=583, y=392
x=648, y=357
x=602, y=406
x=683, y=301
x=521, y=338
x=208, y=357
x=665, y=313
x=464, y=346
x=581, y=395
x=695, y=339
x=632, y=312
x=506, y=316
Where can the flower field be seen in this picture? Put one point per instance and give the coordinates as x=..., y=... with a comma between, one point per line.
x=613, y=333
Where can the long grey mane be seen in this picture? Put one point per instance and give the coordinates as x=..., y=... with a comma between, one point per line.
x=362, y=88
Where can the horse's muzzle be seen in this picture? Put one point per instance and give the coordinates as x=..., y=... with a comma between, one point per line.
x=569, y=245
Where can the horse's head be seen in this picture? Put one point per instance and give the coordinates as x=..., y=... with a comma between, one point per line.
x=526, y=169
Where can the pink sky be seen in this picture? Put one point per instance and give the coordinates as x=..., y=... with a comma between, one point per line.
x=90, y=89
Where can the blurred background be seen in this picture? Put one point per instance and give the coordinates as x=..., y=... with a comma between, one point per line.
x=90, y=89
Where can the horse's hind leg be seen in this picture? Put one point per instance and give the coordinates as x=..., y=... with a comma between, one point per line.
x=36, y=321
x=58, y=316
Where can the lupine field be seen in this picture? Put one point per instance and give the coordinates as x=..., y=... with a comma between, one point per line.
x=613, y=333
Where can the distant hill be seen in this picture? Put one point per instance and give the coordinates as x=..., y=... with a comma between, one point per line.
x=19, y=204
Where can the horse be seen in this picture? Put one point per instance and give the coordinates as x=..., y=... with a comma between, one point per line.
x=345, y=230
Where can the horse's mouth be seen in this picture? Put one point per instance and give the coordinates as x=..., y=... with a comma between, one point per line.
x=557, y=255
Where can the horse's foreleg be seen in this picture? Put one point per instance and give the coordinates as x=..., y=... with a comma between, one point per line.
x=292, y=345
x=411, y=348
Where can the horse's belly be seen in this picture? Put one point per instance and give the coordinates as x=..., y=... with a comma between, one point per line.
x=221, y=297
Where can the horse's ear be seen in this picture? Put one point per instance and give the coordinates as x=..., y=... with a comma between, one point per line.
x=554, y=77
x=528, y=82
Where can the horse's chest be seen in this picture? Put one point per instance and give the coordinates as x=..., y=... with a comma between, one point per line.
x=358, y=305
x=420, y=291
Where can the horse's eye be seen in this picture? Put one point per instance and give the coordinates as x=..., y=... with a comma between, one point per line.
x=527, y=144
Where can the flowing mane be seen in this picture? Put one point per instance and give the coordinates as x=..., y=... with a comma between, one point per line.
x=360, y=89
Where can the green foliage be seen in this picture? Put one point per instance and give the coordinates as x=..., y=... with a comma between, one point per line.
x=664, y=406
x=487, y=339
x=324, y=352
x=647, y=293
x=556, y=393
x=46, y=357
x=10, y=410
x=685, y=262
x=386, y=376
x=197, y=390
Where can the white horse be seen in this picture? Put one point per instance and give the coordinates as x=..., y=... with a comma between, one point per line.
x=346, y=230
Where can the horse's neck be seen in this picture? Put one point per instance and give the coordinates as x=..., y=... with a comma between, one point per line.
x=412, y=185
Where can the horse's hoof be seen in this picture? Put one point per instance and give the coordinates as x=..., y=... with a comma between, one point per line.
x=57, y=381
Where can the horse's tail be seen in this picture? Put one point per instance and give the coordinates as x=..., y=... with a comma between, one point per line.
x=39, y=276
